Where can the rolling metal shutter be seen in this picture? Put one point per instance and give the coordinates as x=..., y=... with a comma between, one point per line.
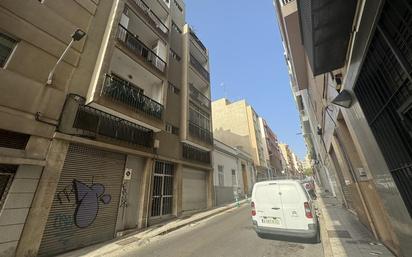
x=86, y=201
x=194, y=190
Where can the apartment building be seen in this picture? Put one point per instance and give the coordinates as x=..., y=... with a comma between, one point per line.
x=237, y=124
x=290, y=168
x=233, y=173
x=113, y=125
x=271, y=149
x=353, y=88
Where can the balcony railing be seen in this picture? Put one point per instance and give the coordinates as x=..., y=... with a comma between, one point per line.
x=197, y=96
x=198, y=40
x=195, y=154
x=199, y=67
x=285, y=2
x=92, y=122
x=200, y=133
x=139, y=48
x=157, y=22
x=128, y=94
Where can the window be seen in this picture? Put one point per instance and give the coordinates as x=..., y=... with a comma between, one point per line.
x=175, y=55
x=221, y=175
x=178, y=6
x=7, y=45
x=6, y=176
x=173, y=88
x=175, y=27
x=172, y=129
x=234, y=179
x=199, y=117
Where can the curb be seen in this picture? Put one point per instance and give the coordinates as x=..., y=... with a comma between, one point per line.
x=327, y=248
x=143, y=237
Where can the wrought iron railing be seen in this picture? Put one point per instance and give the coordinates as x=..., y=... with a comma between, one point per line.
x=157, y=22
x=285, y=2
x=97, y=122
x=200, y=98
x=199, y=67
x=195, y=154
x=128, y=94
x=197, y=40
x=139, y=48
x=202, y=134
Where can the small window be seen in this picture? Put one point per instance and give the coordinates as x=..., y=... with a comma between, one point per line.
x=221, y=175
x=174, y=89
x=175, y=27
x=7, y=45
x=172, y=129
x=175, y=55
x=7, y=173
x=178, y=6
x=234, y=179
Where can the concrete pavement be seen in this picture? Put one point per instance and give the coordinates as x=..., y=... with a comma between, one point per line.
x=342, y=233
x=230, y=234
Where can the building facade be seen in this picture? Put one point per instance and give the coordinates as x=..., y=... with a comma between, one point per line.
x=233, y=173
x=237, y=124
x=356, y=105
x=123, y=123
x=271, y=149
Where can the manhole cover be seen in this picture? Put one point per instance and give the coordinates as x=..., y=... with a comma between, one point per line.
x=339, y=234
x=351, y=242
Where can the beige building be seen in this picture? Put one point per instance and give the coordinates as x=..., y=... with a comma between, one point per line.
x=288, y=156
x=237, y=124
x=351, y=90
x=123, y=122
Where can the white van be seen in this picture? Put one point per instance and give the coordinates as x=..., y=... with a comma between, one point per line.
x=284, y=208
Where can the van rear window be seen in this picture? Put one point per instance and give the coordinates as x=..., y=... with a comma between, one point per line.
x=267, y=194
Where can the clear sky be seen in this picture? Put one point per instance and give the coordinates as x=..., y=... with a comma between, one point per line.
x=246, y=55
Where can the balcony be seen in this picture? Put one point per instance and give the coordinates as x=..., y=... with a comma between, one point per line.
x=198, y=97
x=197, y=40
x=130, y=41
x=130, y=95
x=195, y=154
x=83, y=120
x=285, y=2
x=152, y=17
x=199, y=67
x=200, y=133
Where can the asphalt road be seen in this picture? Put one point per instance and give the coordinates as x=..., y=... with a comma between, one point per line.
x=228, y=234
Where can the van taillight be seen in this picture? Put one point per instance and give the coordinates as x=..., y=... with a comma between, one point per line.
x=252, y=204
x=308, y=211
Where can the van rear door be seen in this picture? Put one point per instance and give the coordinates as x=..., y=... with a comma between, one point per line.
x=293, y=206
x=268, y=206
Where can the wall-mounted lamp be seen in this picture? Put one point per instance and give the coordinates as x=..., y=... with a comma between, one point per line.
x=76, y=36
x=344, y=99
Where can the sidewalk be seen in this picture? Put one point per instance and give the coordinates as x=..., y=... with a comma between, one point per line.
x=343, y=234
x=143, y=237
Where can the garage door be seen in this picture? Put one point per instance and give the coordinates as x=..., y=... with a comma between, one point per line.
x=194, y=190
x=86, y=201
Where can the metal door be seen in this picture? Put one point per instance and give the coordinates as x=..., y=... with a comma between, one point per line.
x=384, y=91
x=162, y=196
x=85, y=204
x=194, y=193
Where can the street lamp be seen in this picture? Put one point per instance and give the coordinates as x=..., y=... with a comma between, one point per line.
x=76, y=36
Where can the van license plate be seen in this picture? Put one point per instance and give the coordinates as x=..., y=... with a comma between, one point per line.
x=271, y=220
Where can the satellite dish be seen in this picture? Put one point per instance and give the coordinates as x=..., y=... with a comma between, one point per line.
x=344, y=99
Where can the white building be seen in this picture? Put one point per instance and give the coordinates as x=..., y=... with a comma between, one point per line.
x=233, y=174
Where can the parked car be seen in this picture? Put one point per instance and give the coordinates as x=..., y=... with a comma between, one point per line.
x=283, y=208
x=309, y=185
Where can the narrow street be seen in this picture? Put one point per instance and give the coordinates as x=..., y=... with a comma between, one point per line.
x=227, y=235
